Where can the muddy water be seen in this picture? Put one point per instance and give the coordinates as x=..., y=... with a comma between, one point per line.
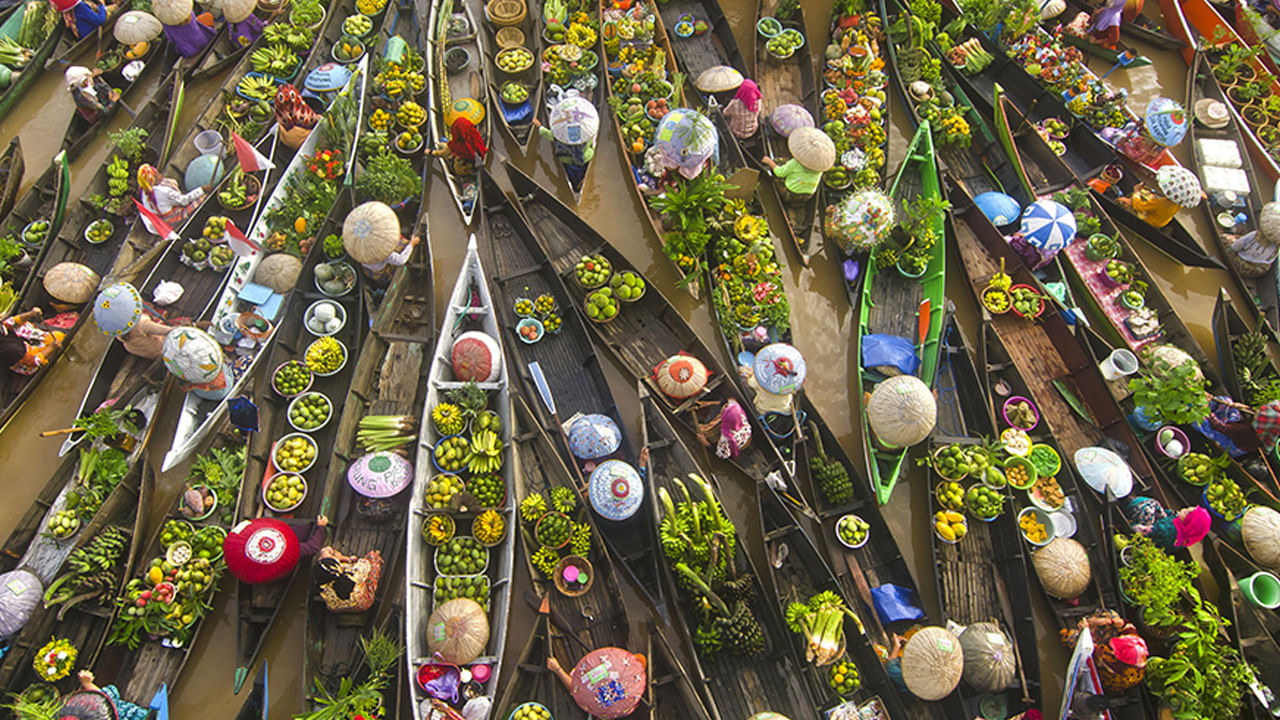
x=821, y=317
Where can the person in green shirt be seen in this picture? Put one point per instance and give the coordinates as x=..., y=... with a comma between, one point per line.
x=812, y=153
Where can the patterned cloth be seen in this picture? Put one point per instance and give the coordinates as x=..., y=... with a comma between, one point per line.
x=1267, y=423
x=41, y=344
x=735, y=431
x=349, y=584
x=742, y=122
x=1116, y=676
x=292, y=111
x=125, y=709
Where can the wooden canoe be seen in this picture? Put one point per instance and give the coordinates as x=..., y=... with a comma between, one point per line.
x=1206, y=29
x=12, y=168
x=125, y=508
x=258, y=606
x=445, y=88
x=1248, y=630
x=257, y=704
x=9, y=27
x=518, y=120
x=1139, y=28
x=893, y=304
x=470, y=308
x=689, y=274
x=199, y=415
x=1201, y=84
x=595, y=96
x=647, y=332
x=390, y=378
x=787, y=81
x=81, y=132
x=573, y=377
x=736, y=686
x=696, y=53
x=200, y=289
x=157, y=661
x=973, y=576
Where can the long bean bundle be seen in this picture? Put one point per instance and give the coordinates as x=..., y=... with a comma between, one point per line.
x=386, y=432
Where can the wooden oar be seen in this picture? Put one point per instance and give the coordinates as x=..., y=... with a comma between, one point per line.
x=923, y=316
x=544, y=392
x=543, y=606
x=61, y=431
x=1003, y=592
x=864, y=592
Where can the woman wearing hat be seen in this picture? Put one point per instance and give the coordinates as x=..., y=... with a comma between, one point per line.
x=163, y=197
x=348, y=584
x=1119, y=652
x=82, y=17
x=466, y=147
x=1253, y=253
x=812, y=153
x=92, y=94
x=91, y=702
x=1167, y=530
x=606, y=683
x=574, y=127
x=1177, y=186
x=25, y=346
x=742, y=114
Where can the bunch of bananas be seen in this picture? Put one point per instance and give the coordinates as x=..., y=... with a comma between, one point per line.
x=256, y=87
x=485, y=456
x=91, y=571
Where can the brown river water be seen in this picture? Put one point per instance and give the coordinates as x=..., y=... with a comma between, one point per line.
x=821, y=318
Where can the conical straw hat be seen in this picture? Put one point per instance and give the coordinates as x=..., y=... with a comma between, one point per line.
x=135, y=27
x=718, y=78
x=238, y=10
x=812, y=148
x=71, y=282
x=371, y=232
x=172, y=12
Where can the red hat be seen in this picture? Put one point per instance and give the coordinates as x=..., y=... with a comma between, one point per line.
x=261, y=550
x=1130, y=650
x=65, y=5
x=1192, y=524
x=608, y=682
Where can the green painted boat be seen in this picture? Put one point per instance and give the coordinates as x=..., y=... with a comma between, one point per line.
x=894, y=304
x=22, y=80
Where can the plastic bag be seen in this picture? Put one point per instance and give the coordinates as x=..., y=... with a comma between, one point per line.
x=440, y=681
x=895, y=603
x=889, y=351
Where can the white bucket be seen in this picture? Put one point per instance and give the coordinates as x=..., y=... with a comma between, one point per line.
x=1118, y=364
x=208, y=142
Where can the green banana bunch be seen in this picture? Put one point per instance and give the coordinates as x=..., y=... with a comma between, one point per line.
x=485, y=454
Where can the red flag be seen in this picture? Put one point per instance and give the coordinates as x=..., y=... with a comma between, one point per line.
x=250, y=159
x=154, y=223
x=241, y=245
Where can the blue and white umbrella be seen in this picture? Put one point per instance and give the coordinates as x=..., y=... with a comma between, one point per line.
x=1048, y=226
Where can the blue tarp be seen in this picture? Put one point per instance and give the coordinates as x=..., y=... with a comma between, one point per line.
x=890, y=350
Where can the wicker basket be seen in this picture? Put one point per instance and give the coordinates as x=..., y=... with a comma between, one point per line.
x=509, y=37
x=505, y=13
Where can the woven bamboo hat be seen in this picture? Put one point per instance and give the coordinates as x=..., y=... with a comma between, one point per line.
x=1063, y=568
x=71, y=282
x=136, y=27
x=238, y=10
x=812, y=148
x=371, y=232
x=718, y=78
x=1212, y=113
x=932, y=663
x=172, y=12
x=902, y=411
x=278, y=272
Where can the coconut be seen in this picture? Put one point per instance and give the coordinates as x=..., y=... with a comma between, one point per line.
x=278, y=272
x=1063, y=568
x=932, y=663
x=989, y=660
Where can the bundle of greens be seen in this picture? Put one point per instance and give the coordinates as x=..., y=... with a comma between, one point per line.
x=386, y=432
x=821, y=622
x=365, y=699
x=221, y=470
x=699, y=541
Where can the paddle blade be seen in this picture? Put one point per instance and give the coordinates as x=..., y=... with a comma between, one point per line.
x=540, y=382
x=923, y=318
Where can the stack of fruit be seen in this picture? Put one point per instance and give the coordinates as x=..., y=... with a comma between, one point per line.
x=951, y=462
x=1223, y=497
x=602, y=305
x=950, y=525
x=325, y=356
x=488, y=489
x=310, y=411
x=441, y=489
x=411, y=115
x=450, y=453
x=844, y=678
x=291, y=378
x=294, y=453
x=461, y=556
x=852, y=530
x=531, y=711
x=475, y=587
x=592, y=271
x=983, y=502
x=1200, y=469
x=628, y=286
x=950, y=495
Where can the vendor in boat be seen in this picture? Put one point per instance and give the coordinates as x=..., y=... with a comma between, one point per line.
x=1105, y=28
x=1119, y=652
x=1253, y=253
x=1168, y=530
x=371, y=236
x=742, y=113
x=606, y=683
x=91, y=702
x=92, y=94
x=574, y=127
x=812, y=153
x=265, y=550
x=25, y=345
x=466, y=147
x=347, y=583
x=146, y=339
x=163, y=197
x=1177, y=188
x=188, y=34
x=82, y=17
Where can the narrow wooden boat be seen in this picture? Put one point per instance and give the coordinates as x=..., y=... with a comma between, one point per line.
x=470, y=307
x=799, y=571
x=156, y=661
x=893, y=304
x=572, y=376
x=1140, y=28
x=1257, y=29
x=1072, y=397
x=9, y=29
x=390, y=378
x=45, y=200
x=12, y=168
x=1202, y=27
x=69, y=47
x=200, y=289
x=517, y=119
x=200, y=416
x=1229, y=331
x=978, y=166
x=648, y=331
x=633, y=150
x=1227, y=145
x=81, y=132
x=787, y=81
x=596, y=94
x=448, y=29
x=736, y=686
x=397, y=20
x=1099, y=50
x=84, y=620
x=258, y=606
x=257, y=705
x=973, y=575
x=697, y=52
x=67, y=241
x=1248, y=631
